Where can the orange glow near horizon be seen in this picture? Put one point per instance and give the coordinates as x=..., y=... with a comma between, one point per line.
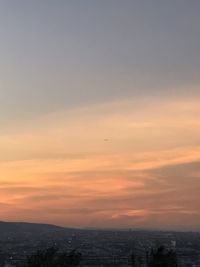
x=122, y=164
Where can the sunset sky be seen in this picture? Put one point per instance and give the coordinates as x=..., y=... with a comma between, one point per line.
x=100, y=113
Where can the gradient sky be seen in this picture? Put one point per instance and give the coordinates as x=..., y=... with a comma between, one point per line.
x=100, y=113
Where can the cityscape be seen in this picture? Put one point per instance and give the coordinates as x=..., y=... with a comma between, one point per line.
x=97, y=247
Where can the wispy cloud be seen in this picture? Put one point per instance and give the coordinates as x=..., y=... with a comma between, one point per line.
x=146, y=173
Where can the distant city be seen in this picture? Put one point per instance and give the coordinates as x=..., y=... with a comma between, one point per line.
x=97, y=247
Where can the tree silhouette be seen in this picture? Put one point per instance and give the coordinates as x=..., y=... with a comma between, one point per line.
x=161, y=257
x=71, y=259
x=52, y=258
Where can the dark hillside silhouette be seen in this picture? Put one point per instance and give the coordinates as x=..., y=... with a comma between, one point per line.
x=21, y=227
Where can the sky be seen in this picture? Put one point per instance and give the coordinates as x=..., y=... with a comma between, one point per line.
x=99, y=113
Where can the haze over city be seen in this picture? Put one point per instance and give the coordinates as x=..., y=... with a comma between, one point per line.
x=99, y=113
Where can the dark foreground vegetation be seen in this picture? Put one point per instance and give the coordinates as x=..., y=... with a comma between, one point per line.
x=52, y=258
x=159, y=257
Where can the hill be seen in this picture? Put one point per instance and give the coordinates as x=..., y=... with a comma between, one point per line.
x=23, y=227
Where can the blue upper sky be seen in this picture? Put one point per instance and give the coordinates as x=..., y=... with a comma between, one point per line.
x=59, y=54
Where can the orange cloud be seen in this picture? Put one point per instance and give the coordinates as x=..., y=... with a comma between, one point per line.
x=59, y=167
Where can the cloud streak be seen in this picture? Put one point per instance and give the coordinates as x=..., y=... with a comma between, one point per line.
x=58, y=168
